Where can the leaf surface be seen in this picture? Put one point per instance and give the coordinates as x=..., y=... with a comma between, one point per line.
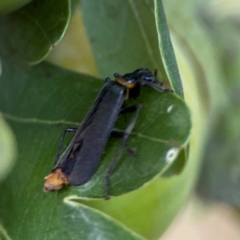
x=33, y=30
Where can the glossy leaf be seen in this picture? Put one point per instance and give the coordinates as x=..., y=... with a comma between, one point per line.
x=36, y=110
x=39, y=102
x=166, y=49
x=162, y=128
x=101, y=226
x=158, y=137
x=136, y=40
x=126, y=39
x=33, y=30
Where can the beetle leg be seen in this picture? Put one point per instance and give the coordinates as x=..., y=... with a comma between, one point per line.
x=67, y=130
x=120, y=149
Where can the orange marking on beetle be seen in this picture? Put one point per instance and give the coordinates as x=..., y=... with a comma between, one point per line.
x=124, y=83
x=55, y=180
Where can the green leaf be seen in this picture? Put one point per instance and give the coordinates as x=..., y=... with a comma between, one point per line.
x=162, y=128
x=39, y=102
x=158, y=136
x=65, y=220
x=7, y=6
x=166, y=49
x=126, y=39
x=7, y=149
x=36, y=28
x=35, y=121
x=96, y=224
x=135, y=39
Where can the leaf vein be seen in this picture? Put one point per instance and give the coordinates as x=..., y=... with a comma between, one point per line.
x=37, y=25
x=52, y=122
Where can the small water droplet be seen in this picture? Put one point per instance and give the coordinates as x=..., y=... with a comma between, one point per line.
x=172, y=155
x=170, y=108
